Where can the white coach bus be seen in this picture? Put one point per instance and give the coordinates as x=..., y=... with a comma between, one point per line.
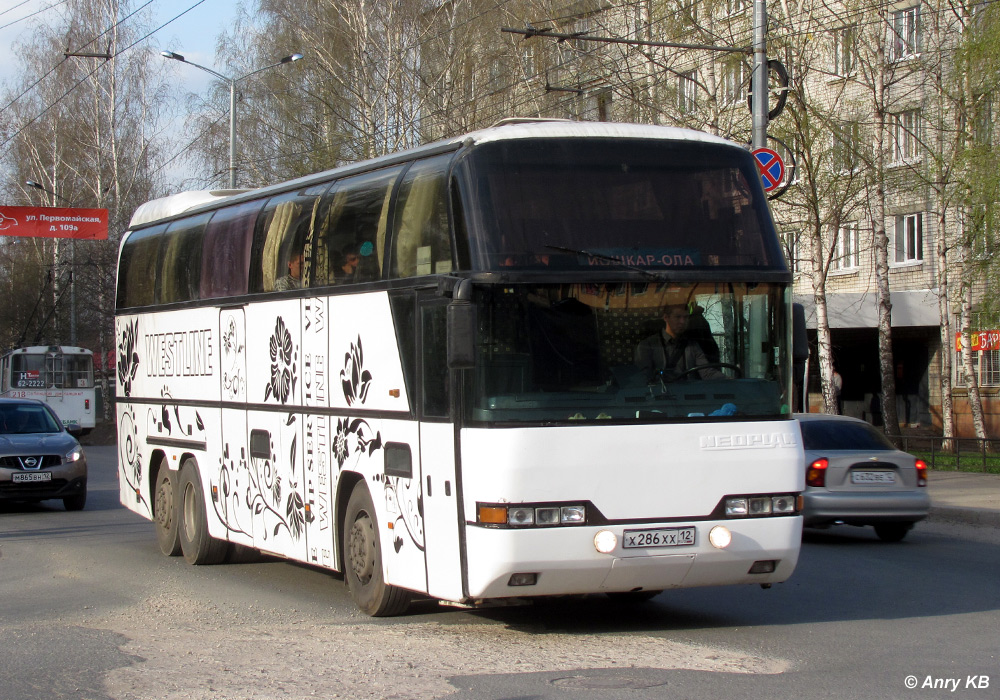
x=60, y=375
x=434, y=373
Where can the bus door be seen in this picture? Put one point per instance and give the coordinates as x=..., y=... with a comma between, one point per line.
x=437, y=452
x=233, y=476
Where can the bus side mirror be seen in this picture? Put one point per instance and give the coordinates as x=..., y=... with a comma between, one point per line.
x=462, y=328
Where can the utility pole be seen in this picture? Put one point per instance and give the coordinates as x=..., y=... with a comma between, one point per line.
x=759, y=81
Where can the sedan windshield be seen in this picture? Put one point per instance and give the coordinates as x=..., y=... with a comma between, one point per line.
x=18, y=419
x=630, y=352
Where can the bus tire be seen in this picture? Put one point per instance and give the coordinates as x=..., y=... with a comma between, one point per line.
x=197, y=546
x=165, y=511
x=363, y=560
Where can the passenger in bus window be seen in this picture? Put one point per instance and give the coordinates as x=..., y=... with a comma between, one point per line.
x=293, y=280
x=347, y=269
x=671, y=353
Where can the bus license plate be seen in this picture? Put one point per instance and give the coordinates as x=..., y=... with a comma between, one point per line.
x=28, y=477
x=659, y=537
x=873, y=478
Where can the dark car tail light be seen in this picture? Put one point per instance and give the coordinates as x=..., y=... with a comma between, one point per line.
x=816, y=473
x=921, y=466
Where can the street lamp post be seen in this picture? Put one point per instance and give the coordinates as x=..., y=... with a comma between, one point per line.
x=232, y=98
x=72, y=262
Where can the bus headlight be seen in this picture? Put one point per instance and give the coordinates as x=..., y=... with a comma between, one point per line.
x=530, y=515
x=720, y=536
x=605, y=541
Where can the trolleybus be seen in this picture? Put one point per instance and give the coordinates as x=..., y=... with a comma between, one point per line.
x=423, y=371
x=60, y=375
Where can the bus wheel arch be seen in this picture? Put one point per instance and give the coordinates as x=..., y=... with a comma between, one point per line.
x=197, y=545
x=166, y=513
x=362, y=556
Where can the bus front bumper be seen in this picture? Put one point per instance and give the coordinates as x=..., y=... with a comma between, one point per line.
x=504, y=563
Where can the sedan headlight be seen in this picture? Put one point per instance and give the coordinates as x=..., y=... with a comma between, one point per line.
x=74, y=455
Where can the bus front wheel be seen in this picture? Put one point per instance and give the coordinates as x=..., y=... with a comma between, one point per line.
x=197, y=546
x=165, y=511
x=363, y=560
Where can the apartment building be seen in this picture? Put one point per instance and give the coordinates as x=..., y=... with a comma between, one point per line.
x=877, y=121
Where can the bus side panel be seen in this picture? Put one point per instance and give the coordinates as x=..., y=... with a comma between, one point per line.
x=441, y=510
x=320, y=478
x=233, y=474
x=366, y=388
x=167, y=361
x=276, y=485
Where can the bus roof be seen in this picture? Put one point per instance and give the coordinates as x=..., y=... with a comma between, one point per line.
x=508, y=129
x=43, y=349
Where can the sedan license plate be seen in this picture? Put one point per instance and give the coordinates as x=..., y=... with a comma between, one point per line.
x=29, y=477
x=880, y=477
x=658, y=537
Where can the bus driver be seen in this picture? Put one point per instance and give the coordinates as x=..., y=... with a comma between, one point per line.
x=671, y=351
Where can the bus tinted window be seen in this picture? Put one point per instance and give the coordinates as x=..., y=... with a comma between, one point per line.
x=350, y=233
x=422, y=242
x=138, y=267
x=281, y=234
x=225, y=262
x=593, y=203
x=181, y=260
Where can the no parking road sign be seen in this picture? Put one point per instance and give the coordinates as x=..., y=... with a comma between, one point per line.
x=771, y=167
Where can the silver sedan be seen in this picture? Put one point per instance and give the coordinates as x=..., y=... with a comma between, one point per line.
x=855, y=476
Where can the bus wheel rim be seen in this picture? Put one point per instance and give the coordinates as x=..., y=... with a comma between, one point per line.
x=362, y=550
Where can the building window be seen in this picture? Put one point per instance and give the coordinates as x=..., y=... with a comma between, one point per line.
x=845, y=43
x=735, y=79
x=904, y=39
x=736, y=7
x=905, y=135
x=909, y=238
x=845, y=249
x=846, y=138
x=687, y=91
x=986, y=365
x=790, y=244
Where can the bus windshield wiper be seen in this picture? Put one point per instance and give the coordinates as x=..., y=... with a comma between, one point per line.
x=617, y=261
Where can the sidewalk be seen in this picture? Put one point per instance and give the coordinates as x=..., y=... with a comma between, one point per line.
x=964, y=497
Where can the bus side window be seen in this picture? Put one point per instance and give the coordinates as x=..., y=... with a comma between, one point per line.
x=140, y=258
x=434, y=395
x=281, y=236
x=181, y=265
x=225, y=262
x=354, y=220
x=422, y=242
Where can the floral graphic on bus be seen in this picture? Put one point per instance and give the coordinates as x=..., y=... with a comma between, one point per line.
x=354, y=377
x=130, y=456
x=284, y=357
x=263, y=494
x=233, y=346
x=128, y=358
x=358, y=431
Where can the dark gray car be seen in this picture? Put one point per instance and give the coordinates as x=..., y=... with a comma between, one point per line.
x=855, y=476
x=39, y=460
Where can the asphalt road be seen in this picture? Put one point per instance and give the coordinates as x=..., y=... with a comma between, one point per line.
x=89, y=610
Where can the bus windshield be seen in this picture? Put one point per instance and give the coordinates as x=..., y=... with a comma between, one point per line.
x=591, y=203
x=605, y=352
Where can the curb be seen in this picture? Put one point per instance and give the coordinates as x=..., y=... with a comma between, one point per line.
x=969, y=516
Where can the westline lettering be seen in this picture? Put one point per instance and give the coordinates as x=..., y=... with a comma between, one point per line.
x=183, y=354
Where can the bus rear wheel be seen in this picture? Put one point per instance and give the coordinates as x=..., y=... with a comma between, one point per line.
x=165, y=510
x=197, y=546
x=363, y=560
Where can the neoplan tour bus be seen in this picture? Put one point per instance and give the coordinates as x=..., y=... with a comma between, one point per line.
x=445, y=372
